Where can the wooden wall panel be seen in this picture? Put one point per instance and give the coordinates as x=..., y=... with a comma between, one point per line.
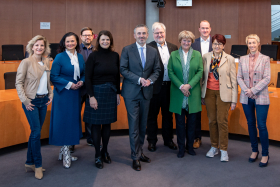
x=255, y=18
x=119, y=17
x=237, y=18
x=52, y=11
x=15, y=22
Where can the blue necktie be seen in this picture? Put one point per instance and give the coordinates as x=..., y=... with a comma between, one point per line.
x=142, y=57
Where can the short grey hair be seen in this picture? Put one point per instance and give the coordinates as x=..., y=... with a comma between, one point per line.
x=187, y=35
x=34, y=40
x=253, y=36
x=141, y=25
x=157, y=25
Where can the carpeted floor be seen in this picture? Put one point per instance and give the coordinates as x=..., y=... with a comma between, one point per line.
x=165, y=170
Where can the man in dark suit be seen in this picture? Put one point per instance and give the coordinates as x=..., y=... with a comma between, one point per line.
x=203, y=44
x=139, y=65
x=161, y=94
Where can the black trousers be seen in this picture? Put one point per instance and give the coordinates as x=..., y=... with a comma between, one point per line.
x=137, y=114
x=198, y=126
x=87, y=125
x=160, y=101
x=185, y=131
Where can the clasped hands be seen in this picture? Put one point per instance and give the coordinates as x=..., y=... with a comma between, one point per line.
x=250, y=94
x=145, y=82
x=77, y=86
x=185, y=90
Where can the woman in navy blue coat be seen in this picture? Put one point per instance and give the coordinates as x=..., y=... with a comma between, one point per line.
x=67, y=76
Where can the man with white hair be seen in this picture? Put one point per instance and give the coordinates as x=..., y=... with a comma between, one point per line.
x=161, y=92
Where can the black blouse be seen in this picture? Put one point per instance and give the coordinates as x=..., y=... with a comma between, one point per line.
x=101, y=67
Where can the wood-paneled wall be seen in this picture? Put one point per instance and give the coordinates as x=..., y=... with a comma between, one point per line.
x=237, y=18
x=20, y=19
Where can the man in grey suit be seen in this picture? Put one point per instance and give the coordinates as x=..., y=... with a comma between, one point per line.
x=139, y=65
x=203, y=44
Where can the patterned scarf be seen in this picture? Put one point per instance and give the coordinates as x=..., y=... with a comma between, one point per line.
x=185, y=68
x=214, y=66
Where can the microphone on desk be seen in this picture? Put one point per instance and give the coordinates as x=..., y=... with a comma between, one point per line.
x=271, y=84
x=236, y=54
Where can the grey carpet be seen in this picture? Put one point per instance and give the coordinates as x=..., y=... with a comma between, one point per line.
x=165, y=169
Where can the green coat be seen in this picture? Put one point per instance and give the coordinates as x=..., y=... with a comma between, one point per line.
x=175, y=73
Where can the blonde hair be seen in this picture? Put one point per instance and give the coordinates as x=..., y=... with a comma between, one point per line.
x=253, y=36
x=33, y=41
x=187, y=35
x=157, y=25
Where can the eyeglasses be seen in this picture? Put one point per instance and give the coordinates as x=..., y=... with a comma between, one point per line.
x=217, y=44
x=87, y=36
x=157, y=33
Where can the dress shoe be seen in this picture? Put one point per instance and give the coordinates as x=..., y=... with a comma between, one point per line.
x=264, y=164
x=136, y=165
x=197, y=143
x=31, y=167
x=251, y=160
x=99, y=162
x=181, y=154
x=106, y=158
x=152, y=147
x=90, y=142
x=38, y=173
x=171, y=145
x=72, y=148
x=143, y=158
x=191, y=152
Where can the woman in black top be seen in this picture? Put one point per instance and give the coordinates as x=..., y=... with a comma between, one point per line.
x=102, y=79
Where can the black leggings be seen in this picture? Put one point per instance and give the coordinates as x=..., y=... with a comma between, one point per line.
x=98, y=131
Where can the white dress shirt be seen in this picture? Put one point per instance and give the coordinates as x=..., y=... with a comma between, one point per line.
x=43, y=86
x=204, y=45
x=164, y=54
x=144, y=51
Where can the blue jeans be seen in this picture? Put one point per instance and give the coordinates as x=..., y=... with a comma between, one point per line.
x=261, y=111
x=35, y=119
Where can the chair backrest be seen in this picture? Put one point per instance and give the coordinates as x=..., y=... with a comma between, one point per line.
x=270, y=50
x=278, y=80
x=12, y=52
x=10, y=80
x=238, y=50
x=54, y=47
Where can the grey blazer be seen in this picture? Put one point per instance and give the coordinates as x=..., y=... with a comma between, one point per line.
x=131, y=69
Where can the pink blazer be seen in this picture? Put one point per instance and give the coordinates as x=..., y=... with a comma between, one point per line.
x=261, y=79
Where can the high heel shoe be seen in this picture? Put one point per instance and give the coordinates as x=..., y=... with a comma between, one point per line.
x=38, y=173
x=251, y=160
x=106, y=158
x=99, y=162
x=264, y=164
x=66, y=157
x=31, y=167
x=60, y=156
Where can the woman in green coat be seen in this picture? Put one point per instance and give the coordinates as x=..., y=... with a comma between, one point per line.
x=185, y=70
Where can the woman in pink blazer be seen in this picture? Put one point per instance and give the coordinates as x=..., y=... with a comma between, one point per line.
x=253, y=78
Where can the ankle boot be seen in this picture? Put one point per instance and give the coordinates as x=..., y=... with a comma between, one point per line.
x=66, y=157
x=38, y=173
x=31, y=167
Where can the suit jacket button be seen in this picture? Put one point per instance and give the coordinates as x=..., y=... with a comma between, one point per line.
x=254, y=81
x=255, y=74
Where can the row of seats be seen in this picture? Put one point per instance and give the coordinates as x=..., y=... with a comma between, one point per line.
x=15, y=52
x=241, y=50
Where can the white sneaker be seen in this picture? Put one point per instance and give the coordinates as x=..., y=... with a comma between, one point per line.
x=212, y=152
x=224, y=156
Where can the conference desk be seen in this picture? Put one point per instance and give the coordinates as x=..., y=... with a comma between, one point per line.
x=15, y=128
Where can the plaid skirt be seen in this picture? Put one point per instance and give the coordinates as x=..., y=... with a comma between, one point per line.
x=106, y=96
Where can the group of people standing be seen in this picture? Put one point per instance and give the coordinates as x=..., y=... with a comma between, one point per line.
x=156, y=76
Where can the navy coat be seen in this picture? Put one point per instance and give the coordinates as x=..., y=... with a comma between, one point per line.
x=65, y=124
